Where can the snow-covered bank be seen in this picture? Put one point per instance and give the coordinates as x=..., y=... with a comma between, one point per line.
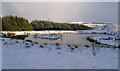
x=50, y=37
x=113, y=34
x=110, y=37
x=38, y=32
x=107, y=39
x=20, y=54
x=98, y=32
x=91, y=31
x=62, y=32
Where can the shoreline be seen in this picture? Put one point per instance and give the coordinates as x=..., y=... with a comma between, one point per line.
x=38, y=32
x=18, y=34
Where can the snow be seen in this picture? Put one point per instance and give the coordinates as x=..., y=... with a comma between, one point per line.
x=97, y=32
x=39, y=32
x=110, y=27
x=61, y=32
x=106, y=32
x=21, y=54
x=50, y=37
x=91, y=31
x=113, y=35
x=107, y=39
x=89, y=24
x=17, y=55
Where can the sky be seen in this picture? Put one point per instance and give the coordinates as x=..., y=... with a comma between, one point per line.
x=64, y=11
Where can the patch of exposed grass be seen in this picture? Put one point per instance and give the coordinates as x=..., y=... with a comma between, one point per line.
x=17, y=37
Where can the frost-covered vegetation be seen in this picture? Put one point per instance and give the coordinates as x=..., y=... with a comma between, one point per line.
x=15, y=23
x=48, y=25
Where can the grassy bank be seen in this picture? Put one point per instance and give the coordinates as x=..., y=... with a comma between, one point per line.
x=17, y=37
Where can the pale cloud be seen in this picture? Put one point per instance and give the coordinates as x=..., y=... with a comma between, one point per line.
x=64, y=11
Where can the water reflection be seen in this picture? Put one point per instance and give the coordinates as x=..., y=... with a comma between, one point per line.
x=69, y=39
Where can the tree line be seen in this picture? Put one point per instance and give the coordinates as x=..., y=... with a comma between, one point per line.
x=15, y=23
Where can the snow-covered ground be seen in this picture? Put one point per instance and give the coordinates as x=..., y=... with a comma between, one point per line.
x=113, y=34
x=50, y=37
x=108, y=39
x=20, y=54
x=108, y=27
x=38, y=32
x=97, y=32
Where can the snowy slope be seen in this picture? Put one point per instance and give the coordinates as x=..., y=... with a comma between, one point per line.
x=107, y=39
x=113, y=37
x=20, y=54
x=108, y=27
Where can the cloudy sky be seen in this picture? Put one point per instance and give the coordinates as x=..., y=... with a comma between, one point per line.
x=64, y=11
